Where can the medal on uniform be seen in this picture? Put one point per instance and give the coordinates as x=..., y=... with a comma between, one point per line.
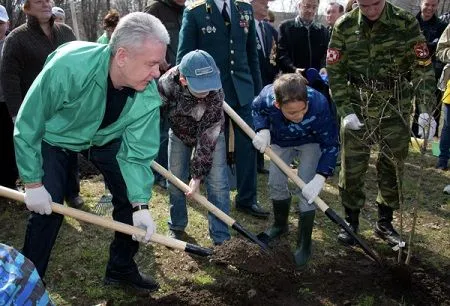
x=208, y=29
x=258, y=46
x=214, y=29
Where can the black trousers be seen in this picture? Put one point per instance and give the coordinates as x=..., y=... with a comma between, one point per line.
x=8, y=169
x=42, y=230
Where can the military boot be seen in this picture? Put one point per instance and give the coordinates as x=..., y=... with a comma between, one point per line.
x=281, y=214
x=352, y=218
x=384, y=228
x=305, y=227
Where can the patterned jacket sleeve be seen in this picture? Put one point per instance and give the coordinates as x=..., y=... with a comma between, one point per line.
x=328, y=136
x=260, y=108
x=208, y=133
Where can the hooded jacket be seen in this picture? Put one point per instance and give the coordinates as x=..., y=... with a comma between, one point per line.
x=318, y=126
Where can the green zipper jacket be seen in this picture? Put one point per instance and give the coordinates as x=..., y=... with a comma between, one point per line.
x=65, y=106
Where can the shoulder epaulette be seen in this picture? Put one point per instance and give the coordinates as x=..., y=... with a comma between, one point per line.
x=196, y=4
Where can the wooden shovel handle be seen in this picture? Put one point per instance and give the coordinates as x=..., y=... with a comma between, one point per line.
x=97, y=220
x=273, y=156
x=196, y=196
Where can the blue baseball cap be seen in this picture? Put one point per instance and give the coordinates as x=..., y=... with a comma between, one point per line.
x=200, y=71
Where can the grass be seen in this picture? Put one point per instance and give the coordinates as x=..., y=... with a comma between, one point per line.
x=77, y=264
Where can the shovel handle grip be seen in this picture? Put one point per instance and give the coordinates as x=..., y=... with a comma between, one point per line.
x=97, y=220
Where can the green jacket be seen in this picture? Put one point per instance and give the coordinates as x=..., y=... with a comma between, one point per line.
x=377, y=71
x=103, y=39
x=65, y=107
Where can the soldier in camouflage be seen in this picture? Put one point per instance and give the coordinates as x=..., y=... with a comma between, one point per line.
x=378, y=62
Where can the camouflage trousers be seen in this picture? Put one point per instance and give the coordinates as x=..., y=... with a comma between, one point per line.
x=390, y=137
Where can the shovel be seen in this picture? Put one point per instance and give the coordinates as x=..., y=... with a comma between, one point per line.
x=329, y=212
x=114, y=225
x=208, y=205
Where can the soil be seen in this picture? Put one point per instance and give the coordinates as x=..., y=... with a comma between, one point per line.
x=252, y=277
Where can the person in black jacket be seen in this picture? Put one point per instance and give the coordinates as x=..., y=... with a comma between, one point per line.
x=432, y=28
x=302, y=43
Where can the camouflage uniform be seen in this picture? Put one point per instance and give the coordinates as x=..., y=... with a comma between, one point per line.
x=375, y=72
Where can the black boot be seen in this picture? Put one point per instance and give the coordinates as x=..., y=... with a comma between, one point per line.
x=384, y=228
x=352, y=218
x=305, y=227
x=280, y=223
x=132, y=278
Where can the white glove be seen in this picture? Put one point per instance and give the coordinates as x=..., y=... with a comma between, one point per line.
x=143, y=219
x=262, y=140
x=427, y=126
x=38, y=200
x=313, y=188
x=194, y=184
x=352, y=122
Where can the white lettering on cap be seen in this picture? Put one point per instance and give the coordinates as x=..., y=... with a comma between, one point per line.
x=204, y=70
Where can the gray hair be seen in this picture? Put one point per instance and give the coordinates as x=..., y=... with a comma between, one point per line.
x=135, y=28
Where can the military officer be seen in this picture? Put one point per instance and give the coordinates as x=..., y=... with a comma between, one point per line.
x=226, y=30
x=371, y=69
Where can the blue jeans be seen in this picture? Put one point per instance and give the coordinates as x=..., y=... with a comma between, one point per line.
x=444, y=144
x=42, y=230
x=308, y=155
x=216, y=183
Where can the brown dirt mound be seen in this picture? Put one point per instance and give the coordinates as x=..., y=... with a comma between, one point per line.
x=253, y=277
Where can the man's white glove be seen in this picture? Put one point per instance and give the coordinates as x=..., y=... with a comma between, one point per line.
x=427, y=126
x=352, y=122
x=194, y=184
x=143, y=219
x=262, y=140
x=313, y=188
x=38, y=200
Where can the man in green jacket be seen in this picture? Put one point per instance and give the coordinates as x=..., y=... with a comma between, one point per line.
x=99, y=100
x=375, y=72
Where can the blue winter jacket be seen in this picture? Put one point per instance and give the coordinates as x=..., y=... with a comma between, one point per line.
x=318, y=126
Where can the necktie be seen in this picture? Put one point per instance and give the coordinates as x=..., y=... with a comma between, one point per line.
x=225, y=15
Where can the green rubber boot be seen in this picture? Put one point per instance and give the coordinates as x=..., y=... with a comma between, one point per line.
x=281, y=214
x=305, y=226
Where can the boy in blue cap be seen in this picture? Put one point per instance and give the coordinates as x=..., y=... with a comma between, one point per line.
x=192, y=96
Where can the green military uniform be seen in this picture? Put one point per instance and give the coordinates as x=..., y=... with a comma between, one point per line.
x=375, y=71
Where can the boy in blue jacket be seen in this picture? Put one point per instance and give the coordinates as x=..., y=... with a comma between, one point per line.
x=297, y=122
